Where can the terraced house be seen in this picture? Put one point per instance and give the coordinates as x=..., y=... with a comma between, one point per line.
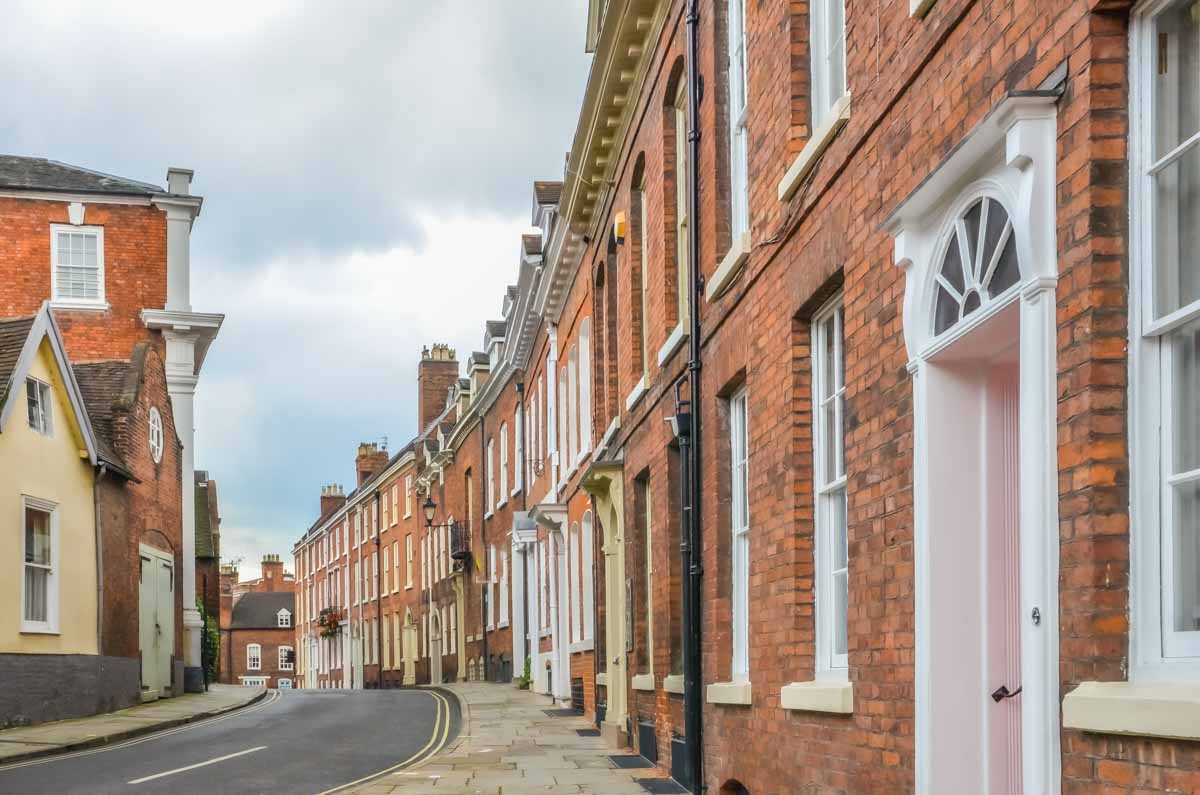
x=847, y=391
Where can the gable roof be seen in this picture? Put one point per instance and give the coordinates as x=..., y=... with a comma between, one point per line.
x=99, y=382
x=261, y=610
x=13, y=334
x=42, y=326
x=38, y=173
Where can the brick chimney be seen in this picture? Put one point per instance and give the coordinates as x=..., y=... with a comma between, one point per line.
x=272, y=573
x=370, y=459
x=229, y=578
x=436, y=374
x=332, y=498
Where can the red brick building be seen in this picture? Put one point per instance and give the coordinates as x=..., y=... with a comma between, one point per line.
x=258, y=621
x=110, y=258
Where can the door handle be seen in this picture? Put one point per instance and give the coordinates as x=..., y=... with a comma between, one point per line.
x=1001, y=693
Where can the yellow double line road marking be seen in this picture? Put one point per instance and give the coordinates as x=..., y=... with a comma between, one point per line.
x=437, y=741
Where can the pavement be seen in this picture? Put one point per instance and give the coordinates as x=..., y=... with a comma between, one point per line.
x=509, y=745
x=45, y=739
x=292, y=741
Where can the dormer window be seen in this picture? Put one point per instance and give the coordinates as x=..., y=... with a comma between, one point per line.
x=37, y=396
x=284, y=617
x=77, y=263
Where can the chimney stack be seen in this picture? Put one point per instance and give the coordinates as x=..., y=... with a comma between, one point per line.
x=370, y=459
x=436, y=374
x=272, y=572
x=332, y=498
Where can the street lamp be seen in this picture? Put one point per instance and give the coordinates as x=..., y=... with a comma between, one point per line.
x=430, y=508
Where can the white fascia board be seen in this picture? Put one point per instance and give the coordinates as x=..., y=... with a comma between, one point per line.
x=82, y=198
x=45, y=326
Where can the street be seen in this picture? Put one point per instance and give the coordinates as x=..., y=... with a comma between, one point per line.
x=294, y=741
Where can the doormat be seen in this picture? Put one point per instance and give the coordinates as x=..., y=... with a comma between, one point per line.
x=630, y=761
x=588, y=732
x=563, y=713
x=661, y=786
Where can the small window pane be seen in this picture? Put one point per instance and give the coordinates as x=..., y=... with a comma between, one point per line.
x=970, y=303
x=971, y=221
x=997, y=219
x=946, y=313
x=1185, y=377
x=37, y=537
x=1186, y=548
x=952, y=266
x=840, y=597
x=1177, y=238
x=1007, y=272
x=837, y=521
x=1177, y=85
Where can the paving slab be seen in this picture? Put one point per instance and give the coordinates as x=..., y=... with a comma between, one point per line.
x=508, y=745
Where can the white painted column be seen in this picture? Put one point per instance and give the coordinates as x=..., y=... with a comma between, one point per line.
x=179, y=230
x=553, y=578
x=517, y=611
x=562, y=637
x=552, y=409
x=1039, y=540
x=181, y=386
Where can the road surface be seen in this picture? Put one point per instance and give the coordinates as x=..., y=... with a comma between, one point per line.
x=293, y=741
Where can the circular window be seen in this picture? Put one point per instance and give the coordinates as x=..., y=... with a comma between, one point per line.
x=980, y=263
x=156, y=435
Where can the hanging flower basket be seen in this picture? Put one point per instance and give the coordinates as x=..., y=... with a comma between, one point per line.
x=329, y=621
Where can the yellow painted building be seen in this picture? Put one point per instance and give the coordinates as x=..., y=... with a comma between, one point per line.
x=48, y=595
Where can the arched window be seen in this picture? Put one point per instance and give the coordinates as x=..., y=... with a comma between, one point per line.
x=585, y=383
x=980, y=263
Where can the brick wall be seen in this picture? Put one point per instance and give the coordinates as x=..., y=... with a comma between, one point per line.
x=270, y=640
x=135, y=271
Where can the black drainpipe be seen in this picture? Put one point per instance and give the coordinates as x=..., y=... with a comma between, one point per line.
x=378, y=517
x=526, y=482
x=483, y=599
x=693, y=681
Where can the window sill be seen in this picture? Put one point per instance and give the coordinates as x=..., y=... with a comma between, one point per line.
x=582, y=646
x=1142, y=710
x=643, y=682
x=502, y=625
x=919, y=8
x=673, y=684
x=408, y=587
x=639, y=390
x=729, y=268
x=489, y=514
x=736, y=693
x=602, y=679
x=818, y=696
x=609, y=433
x=516, y=491
x=544, y=633
x=502, y=503
x=804, y=163
x=673, y=343
x=33, y=629
x=80, y=306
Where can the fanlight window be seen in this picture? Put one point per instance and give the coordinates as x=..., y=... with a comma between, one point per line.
x=980, y=263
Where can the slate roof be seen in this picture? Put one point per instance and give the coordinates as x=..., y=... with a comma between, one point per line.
x=110, y=388
x=261, y=610
x=37, y=173
x=547, y=192
x=13, y=334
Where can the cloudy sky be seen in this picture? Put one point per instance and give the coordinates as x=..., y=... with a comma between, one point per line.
x=367, y=171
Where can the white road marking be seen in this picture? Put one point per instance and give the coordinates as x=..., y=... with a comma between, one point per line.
x=198, y=764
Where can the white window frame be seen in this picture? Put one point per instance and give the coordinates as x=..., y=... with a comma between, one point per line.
x=283, y=683
x=50, y=626
x=683, y=276
x=283, y=665
x=284, y=618
x=396, y=564
x=826, y=36
x=518, y=469
x=491, y=477
x=503, y=489
x=585, y=384
x=503, y=606
x=408, y=496
x=739, y=180
x=60, y=302
x=828, y=487
x=1160, y=652
x=154, y=435
x=739, y=515
x=39, y=395
x=588, y=594
x=408, y=561
x=253, y=657
x=253, y=681
x=387, y=568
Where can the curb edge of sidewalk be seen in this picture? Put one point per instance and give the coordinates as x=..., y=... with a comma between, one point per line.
x=127, y=734
x=464, y=728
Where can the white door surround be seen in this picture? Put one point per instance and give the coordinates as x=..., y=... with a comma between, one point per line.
x=1008, y=159
x=435, y=648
